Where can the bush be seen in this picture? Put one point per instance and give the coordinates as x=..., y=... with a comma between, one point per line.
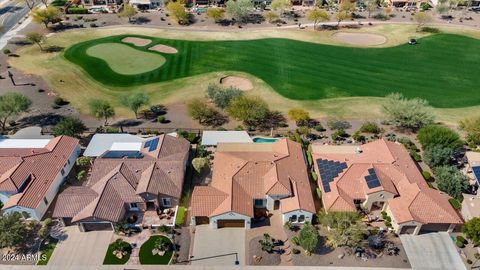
x=436, y=135
x=415, y=155
x=295, y=251
x=381, y=17
x=371, y=127
x=58, y=3
x=6, y=51
x=309, y=159
x=60, y=101
x=295, y=240
x=426, y=175
x=432, y=30
x=319, y=128
x=314, y=176
x=469, y=261
x=455, y=203
x=460, y=244
x=339, y=135
x=161, y=119
x=319, y=193
x=77, y=10
x=336, y=124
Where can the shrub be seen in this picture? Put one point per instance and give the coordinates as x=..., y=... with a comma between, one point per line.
x=339, y=135
x=436, y=135
x=200, y=164
x=337, y=124
x=426, y=175
x=432, y=30
x=60, y=101
x=295, y=240
x=58, y=3
x=314, y=176
x=469, y=261
x=460, y=244
x=161, y=119
x=319, y=128
x=6, y=51
x=319, y=193
x=371, y=127
x=455, y=203
x=381, y=17
x=77, y=10
x=295, y=251
x=309, y=159
x=415, y=155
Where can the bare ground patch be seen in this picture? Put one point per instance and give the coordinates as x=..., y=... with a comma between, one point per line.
x=140, y=42
x=237, y=82
x=163, y=49
x=362, y=39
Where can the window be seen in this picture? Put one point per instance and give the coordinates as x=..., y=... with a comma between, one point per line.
x=133, y=205
x=68, y=161
x=301, y=218
x=62, y=172
x=259, y=203
x=293, y=218
x=45, y=200
x=166, y=202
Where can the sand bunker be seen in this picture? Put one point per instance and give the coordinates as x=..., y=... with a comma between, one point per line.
x=237, y=82
x=140, y=42
x=362, y=39
x=163, y=49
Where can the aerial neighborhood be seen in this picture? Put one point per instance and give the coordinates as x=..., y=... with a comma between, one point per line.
x=195, y=134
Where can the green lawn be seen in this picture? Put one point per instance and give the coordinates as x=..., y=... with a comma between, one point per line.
x=125, y=60
x=145, y=254
x=180, y=216
x=443, y=68
x=112, y=259
x=46, y=250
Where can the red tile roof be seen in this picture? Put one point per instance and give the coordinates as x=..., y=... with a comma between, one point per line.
x=246, y=171
x=397, y=174
x=39, y=165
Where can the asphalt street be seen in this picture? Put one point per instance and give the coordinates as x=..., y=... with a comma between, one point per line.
x=11, y=12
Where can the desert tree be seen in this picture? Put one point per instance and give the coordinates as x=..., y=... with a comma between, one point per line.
x=280, y=5
x=101, y=109
x=317, y=15
x=344, y=11
x=239, y=9
x=46, y=15
x=422, y=18
x=215, y=13
x=177, y=12
x=407, y=113
x=69, y=126
x=36, y=37
x=135, y=102
x=11, y=105
x=128, y=11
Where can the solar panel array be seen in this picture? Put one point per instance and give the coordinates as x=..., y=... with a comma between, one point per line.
x=329, y=170
x=476, y=172
x=372, y=179
x=151, y=145
x=122, y=154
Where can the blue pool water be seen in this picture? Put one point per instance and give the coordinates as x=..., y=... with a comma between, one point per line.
x=264, y=140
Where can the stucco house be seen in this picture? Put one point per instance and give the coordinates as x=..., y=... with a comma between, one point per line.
x=381, y=176
x=32, y=171
x=251, y=179
x=144, y=177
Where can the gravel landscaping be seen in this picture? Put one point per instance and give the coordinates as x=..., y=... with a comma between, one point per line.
x=265, y=258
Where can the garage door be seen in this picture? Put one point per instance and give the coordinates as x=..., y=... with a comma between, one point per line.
x=231, y=223
x=408, y=229
x=435, y=227
x=98, y=226
x=202, y=220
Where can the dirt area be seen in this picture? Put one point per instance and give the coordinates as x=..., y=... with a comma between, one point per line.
x=140, y=42
x=361, y=39
x=163, y=49
x=241, y=83
x=263, y=258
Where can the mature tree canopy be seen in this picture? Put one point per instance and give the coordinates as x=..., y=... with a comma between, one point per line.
x=452, y=181
x=36, y=37
x=371, y=6
x=437, y=155
x=317, y=15
x=11, y=105
x=344, y=10
x=239, y=9
x=299, y=115
x=127, y=11
x=407, y=113
x=69, y=126
x=471, y=229
x=204, y=114
x=177, y=11
x=346, y=228
x=12, y=230
x=200, y=164
x=46, y=15
x=101, y=109
x=437, y=135
x=471, y=126
x=136, y=101
x=249, y=109
x=308, y=237
x=280, y=5
x=222, y=96
x=217, y=14
x=422, y=18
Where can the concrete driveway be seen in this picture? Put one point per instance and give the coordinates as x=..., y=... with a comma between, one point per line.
x=432, y=251
x=218, y=246
x=81, y=248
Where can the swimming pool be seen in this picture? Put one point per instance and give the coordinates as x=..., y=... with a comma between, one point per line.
x=264, y=140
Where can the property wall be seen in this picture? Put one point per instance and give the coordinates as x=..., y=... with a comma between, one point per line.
x=229, y=215
x=308, y=216
x=380, y=196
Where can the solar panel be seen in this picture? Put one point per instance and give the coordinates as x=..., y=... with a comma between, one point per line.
x=153, y=144
x=329, y=170
x=147, y=144
x=476, y=172
x=372, y=179
x=122, y=154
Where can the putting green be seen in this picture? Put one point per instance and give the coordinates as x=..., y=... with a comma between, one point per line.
x=124, y=59
x=442, y=69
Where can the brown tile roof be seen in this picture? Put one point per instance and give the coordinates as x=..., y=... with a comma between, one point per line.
x=397, y=174
x=117, y=182
x=39, y=165
x=243, y=172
